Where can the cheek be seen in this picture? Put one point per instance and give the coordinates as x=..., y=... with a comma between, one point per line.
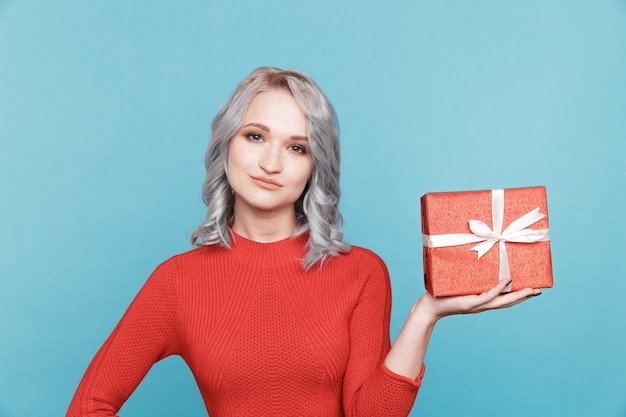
x=230, y=164
x=306, y=175
x=236, y=157
x=234, y=165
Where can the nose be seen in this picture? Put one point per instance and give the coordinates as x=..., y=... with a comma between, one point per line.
x=270, y=160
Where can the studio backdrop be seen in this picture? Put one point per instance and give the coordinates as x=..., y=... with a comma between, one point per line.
x=105, y=112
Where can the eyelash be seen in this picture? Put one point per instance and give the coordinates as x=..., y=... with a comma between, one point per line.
x=298, y=149
x=254, y=137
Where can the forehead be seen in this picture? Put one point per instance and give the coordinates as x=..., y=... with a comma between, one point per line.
x=275, y=105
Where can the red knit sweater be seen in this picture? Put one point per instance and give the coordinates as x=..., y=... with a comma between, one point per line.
x=262, y=336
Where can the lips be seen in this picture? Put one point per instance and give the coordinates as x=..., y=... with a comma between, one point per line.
x=266, y=183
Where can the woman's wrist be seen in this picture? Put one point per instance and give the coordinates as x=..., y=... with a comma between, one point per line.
x=422, y=313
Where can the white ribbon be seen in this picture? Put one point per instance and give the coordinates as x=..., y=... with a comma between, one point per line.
x=516, y=232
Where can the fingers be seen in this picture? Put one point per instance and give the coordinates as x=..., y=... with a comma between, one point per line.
x=469, y=304
x=494, y=298
x=508, y=300
x=489, y=296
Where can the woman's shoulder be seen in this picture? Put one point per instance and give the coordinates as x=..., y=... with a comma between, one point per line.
x=364, y=259
x=361, y=269
x=193, y=257
x=363, y=253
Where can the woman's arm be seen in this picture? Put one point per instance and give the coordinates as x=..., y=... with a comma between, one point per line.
x=406, y=357
x=146, y=334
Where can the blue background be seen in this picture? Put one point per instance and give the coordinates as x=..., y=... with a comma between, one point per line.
x=105, y=110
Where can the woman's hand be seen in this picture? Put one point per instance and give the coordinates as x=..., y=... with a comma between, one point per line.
x=436, y=308
x=407, y=354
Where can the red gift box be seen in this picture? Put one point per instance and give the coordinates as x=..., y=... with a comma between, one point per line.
x=473, y=239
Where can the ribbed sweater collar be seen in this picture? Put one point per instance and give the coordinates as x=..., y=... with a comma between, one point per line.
x=269, y=255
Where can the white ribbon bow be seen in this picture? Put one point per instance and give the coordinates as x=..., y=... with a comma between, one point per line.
x=516, y=232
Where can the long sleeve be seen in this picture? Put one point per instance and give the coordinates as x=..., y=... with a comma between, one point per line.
x=146, y=334
x=370, y=389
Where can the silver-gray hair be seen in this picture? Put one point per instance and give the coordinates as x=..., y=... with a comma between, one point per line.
x=317, y=210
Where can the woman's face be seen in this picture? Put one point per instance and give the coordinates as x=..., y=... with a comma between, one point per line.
x=268, y=159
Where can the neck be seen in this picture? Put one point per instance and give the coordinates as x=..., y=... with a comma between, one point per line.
x=264, y=227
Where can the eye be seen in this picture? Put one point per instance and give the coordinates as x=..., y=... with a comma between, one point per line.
x=254, y=137
x=297, y=149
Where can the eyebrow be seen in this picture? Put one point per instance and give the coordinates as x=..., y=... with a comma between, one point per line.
x=267, y=129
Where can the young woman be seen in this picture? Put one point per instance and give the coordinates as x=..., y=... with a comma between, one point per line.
x=273, y=312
